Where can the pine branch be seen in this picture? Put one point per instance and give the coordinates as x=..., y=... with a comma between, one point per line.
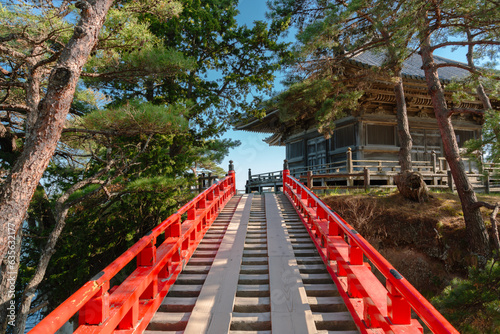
x=464, y=67
x=8, y=38
x=12, y=84
x=464, y=43
x=49, y=60
x=110, y=132
x=21, y=108
x=11, y=52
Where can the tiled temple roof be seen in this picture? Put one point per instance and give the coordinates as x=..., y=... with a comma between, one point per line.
x=412, y=67
x=412, y=70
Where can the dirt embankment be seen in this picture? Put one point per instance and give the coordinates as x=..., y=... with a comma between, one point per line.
x=425, y=242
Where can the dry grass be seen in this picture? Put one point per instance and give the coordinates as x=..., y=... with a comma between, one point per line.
x=426, y=242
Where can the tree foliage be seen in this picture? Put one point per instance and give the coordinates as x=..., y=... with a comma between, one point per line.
x=487, y=148
x=472, y=305
x=335, y=30
x=331, y=33
x=124, y=164
x=233, y=62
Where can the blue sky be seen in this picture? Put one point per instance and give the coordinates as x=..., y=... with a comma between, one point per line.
x=253, y=152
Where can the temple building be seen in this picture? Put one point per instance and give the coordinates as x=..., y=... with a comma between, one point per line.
x=370, y=131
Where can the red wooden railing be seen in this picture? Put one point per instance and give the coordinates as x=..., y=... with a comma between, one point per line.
x=130, y=306
x=343, y=250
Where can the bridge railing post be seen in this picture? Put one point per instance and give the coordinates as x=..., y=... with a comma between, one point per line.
x=349, y=166
x=398, y=308
x=333, y=228
x=96, y=310
x=309, y=180
x=344, y=250
x=232, y=173
x=286, y=173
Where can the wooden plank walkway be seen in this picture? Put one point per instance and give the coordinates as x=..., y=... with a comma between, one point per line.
x=255, y=272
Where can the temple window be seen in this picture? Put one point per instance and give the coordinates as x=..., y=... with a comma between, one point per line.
x=343, y=137
x=463, y=136
x=295, y=150
x=381, y=135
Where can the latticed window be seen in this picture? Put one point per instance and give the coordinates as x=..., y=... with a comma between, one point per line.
x=343, y=137
x=424, y=142
x=295, y=150
x=463, y=136
x=316, y=151
x=380, y=135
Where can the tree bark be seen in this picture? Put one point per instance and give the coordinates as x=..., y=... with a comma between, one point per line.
x=410, y=184
x=58, y=216
x=33, y=89
x=476, y=230
x=493, y=219
x=405, y=143
x=470, y=61
x=49, y=250
x=42, y=138
x=9, y=269
x=483, y=97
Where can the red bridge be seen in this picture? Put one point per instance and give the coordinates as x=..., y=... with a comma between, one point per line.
x=254, y=264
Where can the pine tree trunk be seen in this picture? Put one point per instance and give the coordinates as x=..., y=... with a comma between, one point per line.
x=483, y=97
x=405, y=143
x=29, y=292
x=410, y=184
x=42, y=138
x=476, y=230
x=9, y=269
x=481, y=93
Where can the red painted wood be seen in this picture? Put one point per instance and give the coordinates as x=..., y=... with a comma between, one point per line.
x=389, y=311
x=130, y=306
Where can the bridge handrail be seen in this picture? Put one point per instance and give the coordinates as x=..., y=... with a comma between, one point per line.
x=98, y=286
x=431, y=317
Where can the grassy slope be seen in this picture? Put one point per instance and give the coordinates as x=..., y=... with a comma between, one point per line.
x=425, y=242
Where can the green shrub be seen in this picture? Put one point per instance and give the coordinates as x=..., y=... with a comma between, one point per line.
x=473, y=305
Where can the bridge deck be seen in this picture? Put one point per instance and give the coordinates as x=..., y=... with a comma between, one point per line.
x=256, y=271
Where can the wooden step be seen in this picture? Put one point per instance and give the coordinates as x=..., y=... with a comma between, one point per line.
x=177, y=304
x=201, y=261
x=253, y=290
x=255, y=246
x=254, y=260
x=251, y=304
x=255, y=252
x=300, y=239
x=187, y=279
x=334, y=321
x=341, y=332
x=326, y=304
x=169, y=321
x=254, y=269
x=321, y=290
x=178, y=290
x=310, y=260
x=249, y=332
x=305, y=252
x=258, y=240
x=251, y=321
x=322, y=278
x=312, y=268
x=205, y=253
x=193, y=269
x=304, y=246
x=253, y=279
